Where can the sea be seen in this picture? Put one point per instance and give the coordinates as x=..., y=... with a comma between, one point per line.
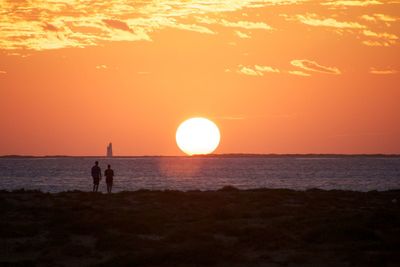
x=203, y=173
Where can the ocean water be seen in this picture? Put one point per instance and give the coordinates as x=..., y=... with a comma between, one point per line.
x=185, y=173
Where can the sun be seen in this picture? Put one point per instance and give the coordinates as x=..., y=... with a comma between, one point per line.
x=197, y=136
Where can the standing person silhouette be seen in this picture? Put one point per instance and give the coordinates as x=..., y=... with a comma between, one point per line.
x=109, y=174
x=96, y=174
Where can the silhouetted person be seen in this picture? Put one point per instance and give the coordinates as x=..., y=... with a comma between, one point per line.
x=109, y=174
x=96, y=174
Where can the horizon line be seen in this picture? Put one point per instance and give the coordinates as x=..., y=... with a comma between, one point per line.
x=214, y=155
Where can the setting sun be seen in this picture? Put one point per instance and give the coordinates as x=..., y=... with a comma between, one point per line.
x=197, y=136
x=222, y=131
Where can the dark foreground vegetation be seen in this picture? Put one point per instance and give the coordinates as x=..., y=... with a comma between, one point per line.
x=217, y=228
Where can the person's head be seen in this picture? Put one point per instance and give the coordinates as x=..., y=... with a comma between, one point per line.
x=109, y=166
x=96, y=163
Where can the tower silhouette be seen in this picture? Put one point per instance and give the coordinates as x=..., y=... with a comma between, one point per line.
x=109, y=150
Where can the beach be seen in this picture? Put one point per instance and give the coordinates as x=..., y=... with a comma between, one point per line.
x=226, y=227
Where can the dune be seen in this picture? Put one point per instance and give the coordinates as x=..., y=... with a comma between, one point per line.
x=227, y=227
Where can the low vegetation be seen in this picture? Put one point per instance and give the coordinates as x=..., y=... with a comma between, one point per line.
x=228, y=227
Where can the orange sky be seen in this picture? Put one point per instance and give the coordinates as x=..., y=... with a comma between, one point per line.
x=277, y=76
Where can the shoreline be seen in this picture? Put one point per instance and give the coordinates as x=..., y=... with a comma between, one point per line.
x=228, y=188
x=226, y=227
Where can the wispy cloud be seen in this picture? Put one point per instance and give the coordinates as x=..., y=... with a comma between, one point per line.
x=249, y=71
x=349, y=3
x=242, y=35
x=248, y=25
x=313, y=66
x=3, y=72
x=305, y=65
x=379, y=39
x=266, y=68
x=117, y=24
x=379, y=17
x=315, y=20
x=368, y=18
x=382, y=71
x=257, y=70
x=193, y=27
x=50, y=27
x=42, y=25
x=385, y=18
x=101, y=67
x=354, y=28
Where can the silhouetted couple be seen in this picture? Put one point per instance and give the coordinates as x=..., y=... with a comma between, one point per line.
x=96, y=174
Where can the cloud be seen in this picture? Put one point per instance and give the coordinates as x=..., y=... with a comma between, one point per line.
x=384, y=35
x=117, y=24
x=379, y=39
x=101, y=67
x=42, y=25
x=304, y=64
x=158, y=23
x=193, y=27
x=27, y=26
x=248, y=25
x=50, y=27
x=242, y=35
x=249, y=71
x=299, y=73
x=386, y=19
x=382, y=71
x=347, y=3
x=313, y=20
x=314, y=66
x=266, y=69
x=368, y=18
x=355, y=28
x=275, y=2
x=3, y=72
x=257, y=70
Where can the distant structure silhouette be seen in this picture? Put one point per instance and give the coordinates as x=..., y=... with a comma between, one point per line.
x=96, y=175
x=109, y=150
x=109, y=174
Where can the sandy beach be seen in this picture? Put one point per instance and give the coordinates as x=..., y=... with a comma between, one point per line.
x=228, y=227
